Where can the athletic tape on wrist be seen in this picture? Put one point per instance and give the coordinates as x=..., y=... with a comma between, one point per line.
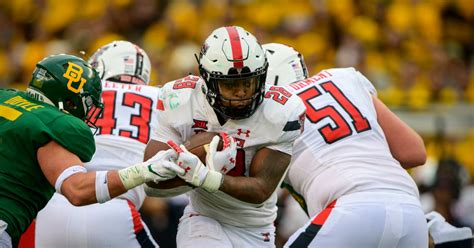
x=101, y=186
x=66, y=174
x=213, y=181
x=132, y=176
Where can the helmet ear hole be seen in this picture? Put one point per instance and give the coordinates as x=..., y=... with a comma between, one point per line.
x=69, y=105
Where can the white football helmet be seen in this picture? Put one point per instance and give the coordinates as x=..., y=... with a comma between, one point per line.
x=285, y=64
x=122, y=61
x=233, y=56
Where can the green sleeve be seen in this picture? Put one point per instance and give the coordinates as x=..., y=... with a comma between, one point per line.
x=74, y=135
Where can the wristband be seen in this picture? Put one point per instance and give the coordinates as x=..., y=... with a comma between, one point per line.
x=213, y=181
x=66, y=174
x=101, y=187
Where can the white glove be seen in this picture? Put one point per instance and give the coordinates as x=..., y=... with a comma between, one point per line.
x=195, y=172
x=442, y=232
x=160, y=167
x=222, y=161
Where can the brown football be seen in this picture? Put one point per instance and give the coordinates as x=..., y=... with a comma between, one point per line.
x=196, y=144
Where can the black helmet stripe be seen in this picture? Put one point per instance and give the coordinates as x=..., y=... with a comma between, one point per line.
x=139, y=65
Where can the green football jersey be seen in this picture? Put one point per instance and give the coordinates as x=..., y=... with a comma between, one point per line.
x=25, y=126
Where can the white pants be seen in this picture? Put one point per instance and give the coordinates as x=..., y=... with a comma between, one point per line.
x=115, y=223
x=365, y=220
x=196, y=231
x=5, y=240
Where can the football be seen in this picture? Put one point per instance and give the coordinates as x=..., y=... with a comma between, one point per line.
x=196, y=144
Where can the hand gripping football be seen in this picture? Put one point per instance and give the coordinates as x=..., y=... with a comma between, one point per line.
x=196, y=144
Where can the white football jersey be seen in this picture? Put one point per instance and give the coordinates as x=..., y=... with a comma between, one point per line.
x=275, y=125
x=343, y=148
x=124, y=129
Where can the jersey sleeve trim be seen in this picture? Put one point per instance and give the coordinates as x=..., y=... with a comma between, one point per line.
x=292, y=126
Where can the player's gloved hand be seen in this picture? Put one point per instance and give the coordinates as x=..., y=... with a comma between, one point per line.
x=443, y=232
x=222, y=161
x=195, y=172
x=160, y=167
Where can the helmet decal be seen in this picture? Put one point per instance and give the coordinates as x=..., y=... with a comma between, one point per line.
x=204, y=48
x=74, y=75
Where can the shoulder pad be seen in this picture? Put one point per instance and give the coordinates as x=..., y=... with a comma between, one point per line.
x=179, y=92
x=280, y=107
x=356, y=76
x=348, y=71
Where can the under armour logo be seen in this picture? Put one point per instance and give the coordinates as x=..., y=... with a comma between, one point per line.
x=246, y=133
x=266, y=236
x=232, y=160
x=180, y=164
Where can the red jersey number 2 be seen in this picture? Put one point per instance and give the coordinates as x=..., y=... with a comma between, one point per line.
x=107, y=122
x=342, y=129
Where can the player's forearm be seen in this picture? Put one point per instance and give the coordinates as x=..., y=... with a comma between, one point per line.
x=152, y=148
x=266, y=171
x=247, y=189
x=80, y=189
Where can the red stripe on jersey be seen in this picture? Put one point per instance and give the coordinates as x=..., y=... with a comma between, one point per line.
x=323, y=215
x=137, y=221
x=27, y=239
x=236, y=47
x=159, y=105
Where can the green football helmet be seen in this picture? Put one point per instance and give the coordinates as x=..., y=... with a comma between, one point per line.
x=69, y=83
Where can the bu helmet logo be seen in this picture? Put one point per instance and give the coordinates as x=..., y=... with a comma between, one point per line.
x=74, y=75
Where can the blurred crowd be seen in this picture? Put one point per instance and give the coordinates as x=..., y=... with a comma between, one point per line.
x=417, y=52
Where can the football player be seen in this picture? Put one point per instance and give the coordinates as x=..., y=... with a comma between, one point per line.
x=123, y=131
x=348, y=166
x=44, y=140
x=232, y=197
